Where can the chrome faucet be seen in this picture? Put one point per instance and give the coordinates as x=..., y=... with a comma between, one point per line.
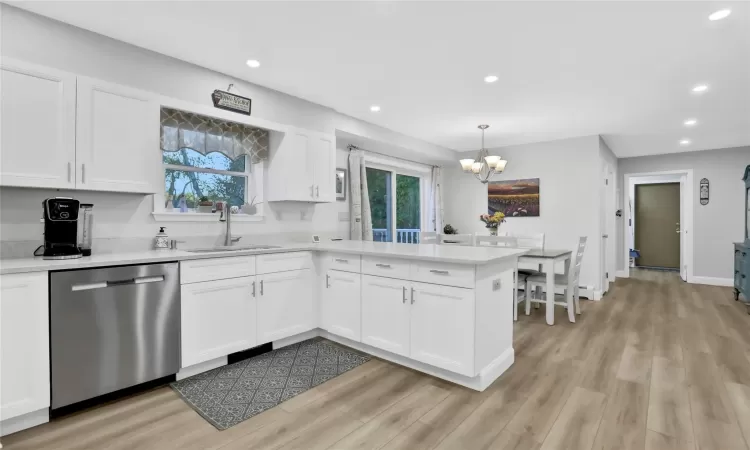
x=226, y=216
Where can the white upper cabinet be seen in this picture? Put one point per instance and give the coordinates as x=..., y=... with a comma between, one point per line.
x=38, y=126
x=24, y=344
x=385, y=313
x=341, y=304
x=442, y=327
x=285, y=304
x=117, y=138
x=302, y=166
x=323, y=151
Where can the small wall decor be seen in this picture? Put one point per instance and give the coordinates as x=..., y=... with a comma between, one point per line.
x=704, y=191
x=231, y=102
x=341, y=184
x=514, y=198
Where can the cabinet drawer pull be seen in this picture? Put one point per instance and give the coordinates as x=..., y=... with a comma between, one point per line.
x=253, y=288
x=404, y=288
x=440, y=272
x=345, y=261
x=384, y=266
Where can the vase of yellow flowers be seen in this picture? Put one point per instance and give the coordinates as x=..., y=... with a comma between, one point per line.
x=492, y=222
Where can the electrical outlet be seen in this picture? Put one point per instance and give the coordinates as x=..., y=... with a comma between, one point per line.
x=496, y=285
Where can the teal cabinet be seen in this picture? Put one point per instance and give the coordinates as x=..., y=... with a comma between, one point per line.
x=742, y=251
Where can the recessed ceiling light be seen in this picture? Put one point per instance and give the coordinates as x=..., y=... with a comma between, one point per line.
x=490, y=78
x=700, y=88
x=720, y=14
x=685, y=142
x=375, y=108
x=690, y=122
x=254, y=63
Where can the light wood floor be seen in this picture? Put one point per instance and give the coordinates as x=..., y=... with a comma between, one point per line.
x=657, y=364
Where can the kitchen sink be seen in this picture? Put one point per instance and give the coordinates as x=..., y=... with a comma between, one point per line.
x=232, y=249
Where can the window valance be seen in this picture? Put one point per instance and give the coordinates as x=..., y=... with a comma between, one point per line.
x=180, y=129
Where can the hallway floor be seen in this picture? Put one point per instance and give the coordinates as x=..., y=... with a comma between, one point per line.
x=657, y=364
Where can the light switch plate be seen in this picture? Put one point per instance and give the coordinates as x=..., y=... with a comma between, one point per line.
x=496, y=285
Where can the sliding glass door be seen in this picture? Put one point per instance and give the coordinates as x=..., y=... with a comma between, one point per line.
x=395, y=205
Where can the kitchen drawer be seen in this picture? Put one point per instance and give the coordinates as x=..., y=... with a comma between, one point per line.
x=445, y=274
x=282, y=262
x=211, y=269
x=386, y=267
x=344, y=262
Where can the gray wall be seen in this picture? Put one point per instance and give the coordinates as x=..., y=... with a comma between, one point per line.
x=716, y=225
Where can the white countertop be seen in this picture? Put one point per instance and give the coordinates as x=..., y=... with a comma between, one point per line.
x=424, y=252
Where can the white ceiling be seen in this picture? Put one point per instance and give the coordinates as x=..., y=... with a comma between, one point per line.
x=620, y=69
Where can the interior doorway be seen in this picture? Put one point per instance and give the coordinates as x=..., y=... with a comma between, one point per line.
x=681, y=185
x=656, y=225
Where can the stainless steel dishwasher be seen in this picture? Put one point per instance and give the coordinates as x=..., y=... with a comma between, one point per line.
x=112, y=328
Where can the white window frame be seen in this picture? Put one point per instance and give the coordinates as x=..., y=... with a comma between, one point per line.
x=254, y=172
x=401, y=167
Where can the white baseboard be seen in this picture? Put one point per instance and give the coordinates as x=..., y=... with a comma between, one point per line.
x=315, y=332
x=713, y=281
x=623, y=273
x=479, y=383
x=22, y=422
x=205, y=366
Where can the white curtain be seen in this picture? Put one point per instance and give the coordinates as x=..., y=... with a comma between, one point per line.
x=436, y=201
x=360, y=219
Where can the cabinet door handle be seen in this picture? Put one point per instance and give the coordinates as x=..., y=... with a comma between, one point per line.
x=345, y=261
x=384, y=266
x=312, y=190
x=253, y=288
x=70, y=170
x=412, y=296
x=261, y=287
x=404, y=294
x=83, y=173
x=317, y=191
x=328, y=281
x=440, y=272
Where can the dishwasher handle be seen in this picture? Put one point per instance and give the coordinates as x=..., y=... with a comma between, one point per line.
x=116, y=283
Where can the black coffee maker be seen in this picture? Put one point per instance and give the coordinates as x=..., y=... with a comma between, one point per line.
x=61, y=228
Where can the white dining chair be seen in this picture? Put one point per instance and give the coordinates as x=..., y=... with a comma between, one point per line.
x=500, y=241
x=533, y=241
x=504, y=241
x=568, y=281
x=428, y=237
x=456, y=239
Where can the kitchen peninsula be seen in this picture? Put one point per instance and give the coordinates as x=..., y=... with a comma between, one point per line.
x=440, y=309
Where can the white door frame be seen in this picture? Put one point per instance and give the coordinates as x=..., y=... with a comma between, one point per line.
x=686, y=228
x=608, y=261
x=397, y=167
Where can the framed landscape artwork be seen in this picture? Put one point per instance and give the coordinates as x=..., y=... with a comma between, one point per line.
x=514, y=198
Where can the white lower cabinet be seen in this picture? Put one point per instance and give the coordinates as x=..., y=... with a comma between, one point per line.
x=442, y=327
x=24, y=344
x=218, y=318
x=285, y=304
x=386, y=313
x=341, y=310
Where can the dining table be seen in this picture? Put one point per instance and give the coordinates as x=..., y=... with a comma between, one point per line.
x=546, y=260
